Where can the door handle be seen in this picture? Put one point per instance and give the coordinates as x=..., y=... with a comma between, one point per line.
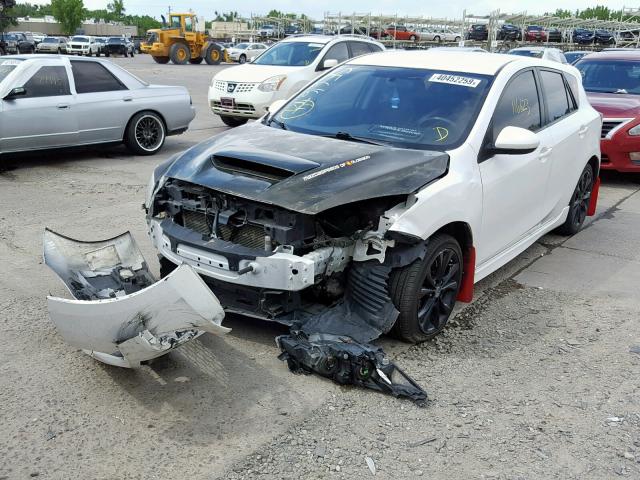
x=544, y=153
x=583, y=130
x=128, y=99
x=63, y=106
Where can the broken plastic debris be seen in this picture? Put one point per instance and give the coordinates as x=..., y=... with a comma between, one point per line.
x=121, y=316
x=347, y=362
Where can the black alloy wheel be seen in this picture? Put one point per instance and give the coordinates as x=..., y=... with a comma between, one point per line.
x=425, y=291
x=145, y=134
x=579, y=203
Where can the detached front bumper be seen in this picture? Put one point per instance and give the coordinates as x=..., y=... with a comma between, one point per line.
x=120, y=315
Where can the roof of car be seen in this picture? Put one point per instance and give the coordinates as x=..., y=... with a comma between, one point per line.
x=326, y=38
x=616, y=55
x=440, y=59
x=533, y=49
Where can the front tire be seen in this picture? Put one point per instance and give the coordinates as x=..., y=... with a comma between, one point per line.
x=412, y=38
x=579, y=204
x=232, y=121
x=242, y=59
x=425, y=291
x=179, y=54
x=213, y=55
x=161, y=60
x=437, y=39
x=145, y=134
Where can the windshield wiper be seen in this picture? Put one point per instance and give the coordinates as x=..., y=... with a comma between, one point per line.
x=350, y=138
x=278, y=123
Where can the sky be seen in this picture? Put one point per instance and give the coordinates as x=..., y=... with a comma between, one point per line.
x=451, y=9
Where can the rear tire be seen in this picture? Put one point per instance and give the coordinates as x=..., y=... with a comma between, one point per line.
x=579, y=203
x=425, y=291
x=179, y=54
x=242, y=59
x=213, y=55
x=413, y=38
x=145, y=134
x=161, y=60
x=437, y=39
x=233, y=121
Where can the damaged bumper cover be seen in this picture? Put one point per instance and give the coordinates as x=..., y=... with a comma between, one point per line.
x=120, y=315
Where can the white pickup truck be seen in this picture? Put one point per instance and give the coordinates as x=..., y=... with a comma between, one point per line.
x=83, y=45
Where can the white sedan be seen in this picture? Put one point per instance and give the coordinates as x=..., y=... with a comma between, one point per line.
x=382, y=191
x=51, y=101
x=440, y=35
x=244, y=52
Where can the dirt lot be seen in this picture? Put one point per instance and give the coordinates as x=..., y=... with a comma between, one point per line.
x=538, y=378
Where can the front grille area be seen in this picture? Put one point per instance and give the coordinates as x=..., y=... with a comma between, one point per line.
x=240, y=87
x=250, y=236
x=609, y=125
x=238, y=107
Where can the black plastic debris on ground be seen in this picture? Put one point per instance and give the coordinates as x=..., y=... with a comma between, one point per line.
x=347, y=362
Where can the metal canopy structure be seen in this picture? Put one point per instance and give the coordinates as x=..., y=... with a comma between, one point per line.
x=626, y=29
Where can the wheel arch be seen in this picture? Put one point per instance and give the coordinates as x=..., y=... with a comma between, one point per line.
x=595, y=166
x=463, y=234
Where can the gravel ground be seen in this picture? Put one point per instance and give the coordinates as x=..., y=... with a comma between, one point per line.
x=535, y=379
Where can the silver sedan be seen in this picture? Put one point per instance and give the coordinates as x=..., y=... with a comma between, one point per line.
x=56, y=102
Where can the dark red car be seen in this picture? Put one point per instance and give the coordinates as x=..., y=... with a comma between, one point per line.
x=612, y=82
x=535, y=33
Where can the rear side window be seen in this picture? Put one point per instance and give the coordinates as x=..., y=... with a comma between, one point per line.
x=91, y=77
x=48, y=82
x=338, y=52
x=555, y=91
x=519, y=105
x=359, y=48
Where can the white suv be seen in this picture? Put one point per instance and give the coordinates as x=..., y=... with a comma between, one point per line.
x=83, y=45
x=246, y=91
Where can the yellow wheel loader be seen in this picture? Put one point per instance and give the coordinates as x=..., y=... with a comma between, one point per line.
x=182, y=40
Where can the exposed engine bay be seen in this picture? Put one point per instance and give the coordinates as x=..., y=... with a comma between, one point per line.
x=269, y=262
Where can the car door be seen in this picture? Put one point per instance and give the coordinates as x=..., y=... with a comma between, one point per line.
x=45, y=116
x=104, y=104
x=514, y=185
x=569, y=127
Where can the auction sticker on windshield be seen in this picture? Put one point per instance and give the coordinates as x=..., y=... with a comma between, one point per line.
x=454, y=80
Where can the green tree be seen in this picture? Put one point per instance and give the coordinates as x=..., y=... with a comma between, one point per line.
x=69, y=13
x=117, y=8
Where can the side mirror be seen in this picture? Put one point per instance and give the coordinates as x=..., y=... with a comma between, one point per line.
x=516, y=140
x=275, y=106
x=16, y=92
x=329, y=63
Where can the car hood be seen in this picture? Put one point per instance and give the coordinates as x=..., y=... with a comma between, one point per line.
x=304, y=173
x=252, y=73
x=615, y=105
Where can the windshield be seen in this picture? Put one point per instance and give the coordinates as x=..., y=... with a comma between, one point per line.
x=50, y=40
x=8, y=66
x=403, y=107
x=527, y=53
x=572, y=57
x=290, y=54
x=12, y=36
x=80, y=39
x=610, y=76
x=241, y=46
x=116, y=40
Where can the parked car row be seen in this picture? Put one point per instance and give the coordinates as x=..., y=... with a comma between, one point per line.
x=87, y=46
x=537, y=33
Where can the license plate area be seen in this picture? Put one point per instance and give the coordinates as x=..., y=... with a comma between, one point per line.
x=227, y=102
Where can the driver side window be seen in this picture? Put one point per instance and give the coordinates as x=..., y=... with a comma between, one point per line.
x=519, y=105
x=48, y=82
